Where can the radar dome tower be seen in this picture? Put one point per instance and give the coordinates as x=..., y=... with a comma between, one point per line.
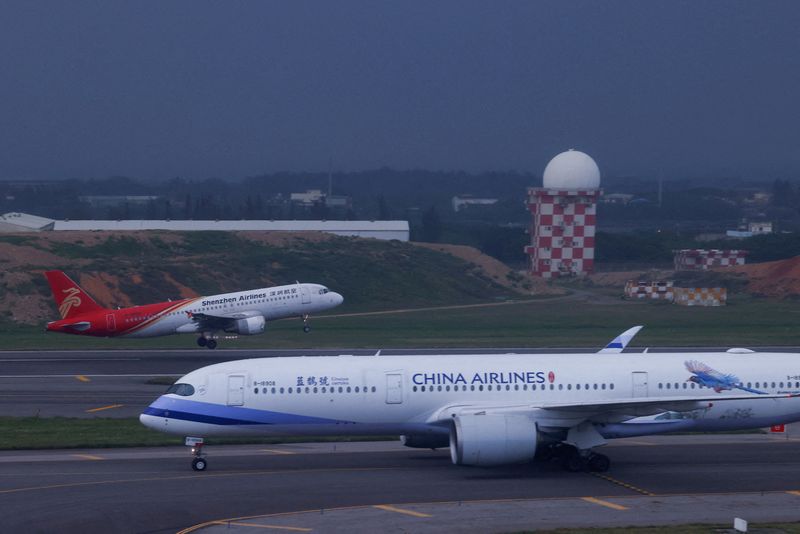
x=564, y=216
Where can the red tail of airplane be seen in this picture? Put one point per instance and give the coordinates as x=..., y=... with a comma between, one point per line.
x=70, y=298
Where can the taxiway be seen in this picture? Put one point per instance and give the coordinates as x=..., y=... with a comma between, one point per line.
x=363, y=487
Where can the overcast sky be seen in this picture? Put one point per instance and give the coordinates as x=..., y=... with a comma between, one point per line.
x=237, y=88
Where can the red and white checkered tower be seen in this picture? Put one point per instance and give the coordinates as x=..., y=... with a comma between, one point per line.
x=564, y=216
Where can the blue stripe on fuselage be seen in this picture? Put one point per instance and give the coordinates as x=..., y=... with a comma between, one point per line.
x=218, y=414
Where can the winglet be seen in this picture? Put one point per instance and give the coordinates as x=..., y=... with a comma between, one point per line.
x=621, y=341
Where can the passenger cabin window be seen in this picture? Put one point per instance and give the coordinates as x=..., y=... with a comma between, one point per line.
x=184, y=390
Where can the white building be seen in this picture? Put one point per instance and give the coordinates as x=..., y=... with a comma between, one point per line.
x=308, y=198
x=759, y=227
x=462, y=201
x=375, y=229
x=23, y=222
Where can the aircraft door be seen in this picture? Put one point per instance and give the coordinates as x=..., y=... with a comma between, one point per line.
x=304, y=294
x=111, y=322
x=639, y=379
x=235, y=390
x=394, y=388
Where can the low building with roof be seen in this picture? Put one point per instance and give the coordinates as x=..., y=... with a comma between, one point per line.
x=24, y=222
x=388, y=230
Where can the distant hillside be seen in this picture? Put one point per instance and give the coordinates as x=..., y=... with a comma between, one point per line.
x=141, y=267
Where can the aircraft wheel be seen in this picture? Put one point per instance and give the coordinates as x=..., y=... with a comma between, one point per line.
x=306, y=329
x=599, y=463
x=199, y=464
x=573, y=461
x=201, y=341
x=211, y=343
x=545, y=453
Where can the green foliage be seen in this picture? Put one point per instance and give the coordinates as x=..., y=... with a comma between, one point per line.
x=19, y=240
x=431, y=225
x=113, y=247
x=65, y=432
x=658, y=247
x=22, y=433
x=576, y=322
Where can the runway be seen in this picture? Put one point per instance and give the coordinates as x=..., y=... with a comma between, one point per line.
x=361, y=487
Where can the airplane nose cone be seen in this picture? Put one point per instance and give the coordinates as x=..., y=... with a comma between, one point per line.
x=147, y=420
x=336, y=298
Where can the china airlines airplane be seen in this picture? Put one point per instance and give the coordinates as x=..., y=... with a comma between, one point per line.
x=490, y=409
x=243, y=312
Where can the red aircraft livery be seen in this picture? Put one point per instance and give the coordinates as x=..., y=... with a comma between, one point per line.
x=243, y=312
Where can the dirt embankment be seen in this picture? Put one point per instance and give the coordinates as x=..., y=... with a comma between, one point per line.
x=618, y=278
x=773, y=278
x=521, y=282
x=125, y=269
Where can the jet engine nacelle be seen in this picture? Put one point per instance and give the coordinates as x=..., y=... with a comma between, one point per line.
x=420, y=441
x=492, y=439
x=250, y=326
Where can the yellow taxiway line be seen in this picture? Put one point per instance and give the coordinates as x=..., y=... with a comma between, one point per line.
x=83, y=378
x=400, y=510
x=88, y=456
x=101, y=408
x=601, y=502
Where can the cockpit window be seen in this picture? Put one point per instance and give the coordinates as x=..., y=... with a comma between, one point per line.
x=323, y=290
x=184, y=390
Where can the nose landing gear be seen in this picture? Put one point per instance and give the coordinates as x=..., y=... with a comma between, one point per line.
x=306, y=326
x=199, y=462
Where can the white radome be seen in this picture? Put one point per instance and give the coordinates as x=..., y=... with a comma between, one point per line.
x=572, y=170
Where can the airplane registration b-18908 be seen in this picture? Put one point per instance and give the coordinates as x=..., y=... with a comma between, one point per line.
x=243, y=312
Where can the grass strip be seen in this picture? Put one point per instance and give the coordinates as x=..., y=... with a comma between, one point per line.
x=29, y=433
x=743, y=322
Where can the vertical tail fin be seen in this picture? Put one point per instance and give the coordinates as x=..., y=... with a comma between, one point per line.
x=70, y=298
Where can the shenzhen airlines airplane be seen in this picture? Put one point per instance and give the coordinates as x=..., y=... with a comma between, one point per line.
x=243, y=312
x=490, y=409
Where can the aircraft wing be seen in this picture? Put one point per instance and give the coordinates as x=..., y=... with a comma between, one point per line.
x=621, y=341
x=572, y=413
x=207, y=321
x=636, y=407
x=80, y=326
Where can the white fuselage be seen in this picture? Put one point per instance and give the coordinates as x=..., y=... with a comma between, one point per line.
x=417, y=394
x=272, y=303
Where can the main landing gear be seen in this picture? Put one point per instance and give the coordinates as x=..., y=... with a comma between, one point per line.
x=574, y=460
x=199, y=463
x=306, y=327
x=208, y=342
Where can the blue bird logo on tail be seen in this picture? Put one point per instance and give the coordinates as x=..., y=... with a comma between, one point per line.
x=711, y=378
